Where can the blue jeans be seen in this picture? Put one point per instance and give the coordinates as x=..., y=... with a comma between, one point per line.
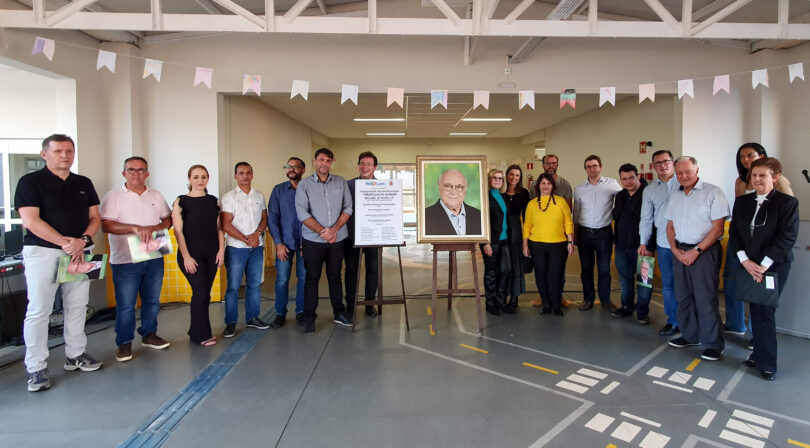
x=130, y=279
x=283, y=271
x=735, y=310
x=247, y=261
x=668, y=285
x=626, y=261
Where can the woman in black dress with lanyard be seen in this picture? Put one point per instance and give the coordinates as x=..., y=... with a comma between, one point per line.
x=517, y=198
x=201, y=248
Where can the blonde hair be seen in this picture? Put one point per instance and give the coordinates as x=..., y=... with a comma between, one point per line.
x=492, y=174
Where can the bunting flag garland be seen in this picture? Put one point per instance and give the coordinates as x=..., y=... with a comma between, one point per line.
x=686, y=87
x=44, y=46
x=568, y=96
x=106, y=59
x=796, y=71
x=395, y=95
x=252, y=82
x=607, y=94
x=438, y=97
x=152, y=67
x=300, y=87
x=720, y=83
x=646, y=91
x=759, y=77
x=203, y=75
x=349, y=92
x=526, y=98
x=481, y=98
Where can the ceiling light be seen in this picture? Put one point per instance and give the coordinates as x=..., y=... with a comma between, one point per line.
x=382, y=134
x=468, y=134
x=486, y=119
x=380, y=119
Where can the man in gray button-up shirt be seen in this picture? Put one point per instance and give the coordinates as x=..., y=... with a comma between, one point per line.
x=323, y=204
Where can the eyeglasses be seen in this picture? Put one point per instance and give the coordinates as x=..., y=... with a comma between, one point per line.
x=498, y=178
x=365, y=164
x=293, y=167
x=662, y=162
x=458, y=188
x=136, y=170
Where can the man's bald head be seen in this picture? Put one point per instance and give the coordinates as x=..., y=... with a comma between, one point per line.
x=452, y=189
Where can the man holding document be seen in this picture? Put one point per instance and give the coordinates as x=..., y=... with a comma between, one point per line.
x=135, y=209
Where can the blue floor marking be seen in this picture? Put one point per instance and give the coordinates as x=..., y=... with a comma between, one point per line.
x=160, y=425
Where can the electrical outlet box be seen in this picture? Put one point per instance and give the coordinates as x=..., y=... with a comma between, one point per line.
x=507, y=71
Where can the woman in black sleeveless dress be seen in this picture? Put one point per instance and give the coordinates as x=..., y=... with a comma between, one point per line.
x=201, y=249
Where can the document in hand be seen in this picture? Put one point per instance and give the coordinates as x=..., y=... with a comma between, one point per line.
x=158, y=246
x=92, y=267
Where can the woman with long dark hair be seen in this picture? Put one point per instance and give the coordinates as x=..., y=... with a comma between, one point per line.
x=200, y=248
x=517, y=198
x=497, y=262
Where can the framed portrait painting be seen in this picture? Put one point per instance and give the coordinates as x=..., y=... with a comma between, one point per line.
x=452, y=196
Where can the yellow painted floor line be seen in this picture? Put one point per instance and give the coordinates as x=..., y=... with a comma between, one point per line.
x=430, y=312
x=793, y=442
x=693, y=364
x=432, y=332
x=610, y=445
x=541, y=368
x=473, y=348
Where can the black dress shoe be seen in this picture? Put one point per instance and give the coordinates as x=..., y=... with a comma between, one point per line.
x=230, y=330
x=278, y=322
x=508, y=310
x=610, y=307
x=558, y=312
x=586, y=306
x=342, y=320
x=493, y=309
x=749, y=363
x=621, y=313
x=767, y=375
x=257, y=323
x=309, y=328
x=299, y=318
x=669, y=330
x=545, y=310
x=644, y=320
x=371, y=311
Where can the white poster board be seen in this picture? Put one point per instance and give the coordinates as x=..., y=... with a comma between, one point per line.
x=378, y=212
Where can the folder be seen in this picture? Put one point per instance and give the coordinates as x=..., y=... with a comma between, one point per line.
x=765, y=292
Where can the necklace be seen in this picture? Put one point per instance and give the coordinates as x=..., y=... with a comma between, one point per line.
x=540, y=203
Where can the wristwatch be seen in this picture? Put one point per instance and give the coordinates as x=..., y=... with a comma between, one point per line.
x=88, y=241
x=699, y=250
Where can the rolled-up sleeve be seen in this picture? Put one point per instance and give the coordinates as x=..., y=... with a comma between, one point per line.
x=302, y=202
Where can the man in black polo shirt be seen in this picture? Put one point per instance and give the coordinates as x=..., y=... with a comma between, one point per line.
x=60, y=211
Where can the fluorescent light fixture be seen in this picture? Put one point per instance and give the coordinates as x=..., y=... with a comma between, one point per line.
x=381, y=119
x=468, y=134
x=486, y=119
x=384, y=134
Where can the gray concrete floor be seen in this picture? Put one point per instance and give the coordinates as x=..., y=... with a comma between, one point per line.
x=582, y=380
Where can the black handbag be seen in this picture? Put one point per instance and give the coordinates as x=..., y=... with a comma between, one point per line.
x=765, y=292
x=528, y=265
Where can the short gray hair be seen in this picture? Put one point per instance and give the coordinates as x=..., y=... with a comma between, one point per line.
x=685, y=158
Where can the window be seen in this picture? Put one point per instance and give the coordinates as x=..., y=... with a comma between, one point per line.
x=406, y=172
x=19, y=157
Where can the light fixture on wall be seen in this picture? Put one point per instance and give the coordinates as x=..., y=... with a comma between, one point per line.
x=386, y=120
x=385, y=134
x=486, y=119
x=468, y=134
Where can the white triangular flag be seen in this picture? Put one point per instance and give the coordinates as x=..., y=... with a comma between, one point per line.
x=395, y=95
x=349, y=92
x=759, y=77
x=481, y=98
x=252, y=82
x=720, y=83
x=299, y=88
x=796, y=71
x=44, y=46
x=526, y=98
x=646, y=91
x=105, y=59
x=607, y=94
x=152, y=67
x=203, y=75
x=438, y=97
x=686, y=87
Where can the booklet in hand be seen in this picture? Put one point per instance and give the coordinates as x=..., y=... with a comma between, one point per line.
x=158, y=246
x=644, y=271
x=92, y=267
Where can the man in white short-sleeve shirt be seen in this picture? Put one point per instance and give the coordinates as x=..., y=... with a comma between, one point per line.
x=244, y=221
x=135, y=209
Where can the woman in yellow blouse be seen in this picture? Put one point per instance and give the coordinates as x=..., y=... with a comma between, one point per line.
x=548, y=237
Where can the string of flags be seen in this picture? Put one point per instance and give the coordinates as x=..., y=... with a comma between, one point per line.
x=396, y=95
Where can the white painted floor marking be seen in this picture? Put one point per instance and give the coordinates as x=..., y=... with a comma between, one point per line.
x=741, y=439
x=753, y=418
x=609, y=388
x=748, y=428
x=703, y=383
x=680, y=377
x=626, y=432
x=671, y=386
x=582, y=380
x=571, y=386
x=593, y=373
x=657, y=372
x=707, y=418
x=654, y=440
x=600, y=422
x=640, y=419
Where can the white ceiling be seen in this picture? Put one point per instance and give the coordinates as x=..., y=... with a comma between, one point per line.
x=324, y=113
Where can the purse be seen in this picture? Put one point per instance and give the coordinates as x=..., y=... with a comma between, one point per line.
x=528, y=265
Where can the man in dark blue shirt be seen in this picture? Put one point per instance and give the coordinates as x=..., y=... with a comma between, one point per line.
x=285, y=228
x=366, y=165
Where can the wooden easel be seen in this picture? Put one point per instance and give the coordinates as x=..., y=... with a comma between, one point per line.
x=452, y=279
x=380, y=300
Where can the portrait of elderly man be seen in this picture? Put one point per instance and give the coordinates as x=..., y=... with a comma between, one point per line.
x=644, y=276
x=450, y=215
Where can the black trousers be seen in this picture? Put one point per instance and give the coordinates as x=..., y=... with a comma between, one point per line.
x=517, y=281
x=496, y=271
x=696, y=293
x=315, y=255
x=764, y=323
x=549, y=271
x=201, y=283
x=350, y=256
x=598, y=242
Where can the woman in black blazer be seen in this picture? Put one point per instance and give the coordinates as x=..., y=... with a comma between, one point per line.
x=497, y=262
x=764, y=227
x=517, y=198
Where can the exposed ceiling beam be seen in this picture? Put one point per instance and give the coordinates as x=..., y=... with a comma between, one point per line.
x=710, y=9
x=662, y=13
x=209, y=7
x=447, y=11
x=67, y=11
x=781, y=43
x=491, y=7
x=720, y=15
x=686, y=17
x=563, y=10
x=321, y=6
x=157, y=15
x=296, y=10
x=372, y=16
x=101, y=35
x=39, y=10
x=269, y=15
x=519, y=9
x=593, y=10
x=241, y=12
x=783, y=10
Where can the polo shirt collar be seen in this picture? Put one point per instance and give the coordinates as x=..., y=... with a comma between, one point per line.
x=51, y=173
x=238, y=190
x=318, y=179
x=127, y=190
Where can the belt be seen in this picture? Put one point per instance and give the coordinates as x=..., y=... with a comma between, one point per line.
x=684, y=246
x=591, y=229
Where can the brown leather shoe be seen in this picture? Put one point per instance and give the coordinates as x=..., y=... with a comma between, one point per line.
x=154, y=341
x=124, y=352
x=586, y=306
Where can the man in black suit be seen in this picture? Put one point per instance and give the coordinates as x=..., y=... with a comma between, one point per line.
x=450, y=215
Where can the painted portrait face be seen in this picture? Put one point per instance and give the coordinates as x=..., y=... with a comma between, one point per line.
x=452, y=188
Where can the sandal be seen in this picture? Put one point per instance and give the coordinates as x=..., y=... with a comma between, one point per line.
x=209, y=342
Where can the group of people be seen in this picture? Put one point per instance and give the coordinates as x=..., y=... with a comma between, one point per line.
x=307, y=219
x=677, y=216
